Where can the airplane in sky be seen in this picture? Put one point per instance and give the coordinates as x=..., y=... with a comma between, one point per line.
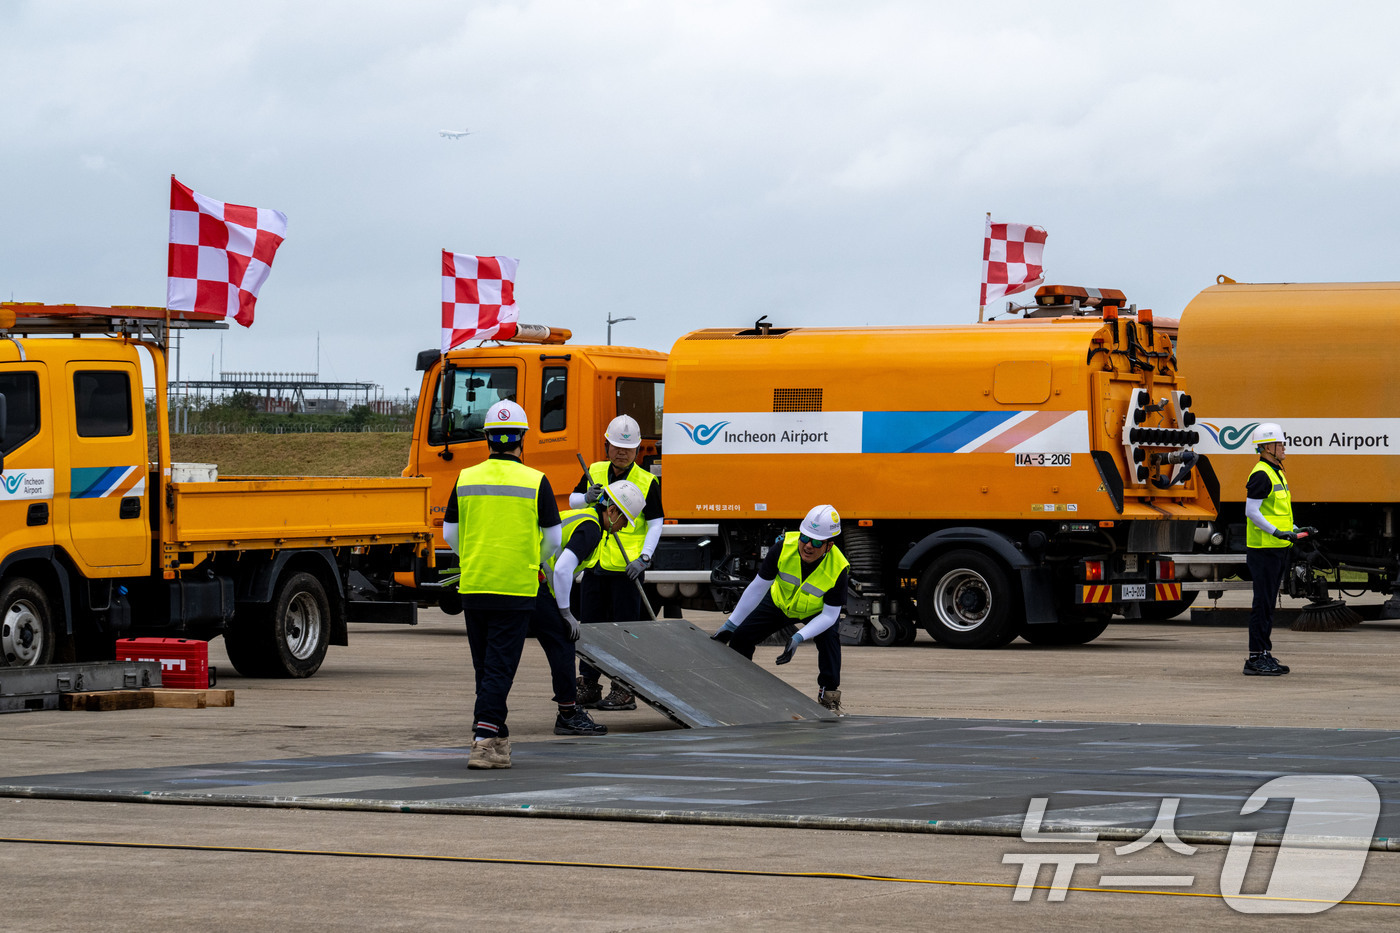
x=454, y=134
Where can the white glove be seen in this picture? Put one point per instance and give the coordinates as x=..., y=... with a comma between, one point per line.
x=574, y=629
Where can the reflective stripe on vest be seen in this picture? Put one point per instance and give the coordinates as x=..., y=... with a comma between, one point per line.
x=634, y=536
x=573, y=520
x=798, y=598
x=1277, y=510
x=498, y=539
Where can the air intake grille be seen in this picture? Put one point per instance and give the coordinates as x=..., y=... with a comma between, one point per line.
x=797, y=399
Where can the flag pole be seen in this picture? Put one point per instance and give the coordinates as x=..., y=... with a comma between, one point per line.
x=982, y=307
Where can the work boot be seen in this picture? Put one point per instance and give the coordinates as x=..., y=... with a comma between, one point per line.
x=589, y=694
x=619, y=698
x=831, y=699
x=577, y=722
x=489, y=753
x=1261, y=665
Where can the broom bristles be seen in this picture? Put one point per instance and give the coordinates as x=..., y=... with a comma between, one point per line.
x=1326, y=617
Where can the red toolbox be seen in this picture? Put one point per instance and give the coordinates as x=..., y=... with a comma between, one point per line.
x=184, y=662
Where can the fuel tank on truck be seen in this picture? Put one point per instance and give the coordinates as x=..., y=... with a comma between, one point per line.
x=1320, y=360
x=956, y=423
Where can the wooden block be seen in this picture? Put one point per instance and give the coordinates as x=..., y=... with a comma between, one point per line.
x=104, y=700
x=170, y=698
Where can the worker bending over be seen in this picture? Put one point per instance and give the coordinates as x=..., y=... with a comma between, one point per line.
x=500, y=511
x=611, y=590
x=801, y=581
x=583, y=532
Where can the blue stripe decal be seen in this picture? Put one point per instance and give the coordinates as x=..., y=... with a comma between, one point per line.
x=926, y=432
x=92, y=482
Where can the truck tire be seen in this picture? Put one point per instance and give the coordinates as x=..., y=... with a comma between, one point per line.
x=289, y=636
x=1079, y=631
x=968, y=600
x=27, y=633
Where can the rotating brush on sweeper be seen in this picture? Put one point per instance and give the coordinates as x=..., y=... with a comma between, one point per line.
x=1307, y=578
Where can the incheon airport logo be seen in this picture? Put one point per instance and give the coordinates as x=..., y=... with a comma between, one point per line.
x=1229, y=436
x=702, y=434
x=12, y=483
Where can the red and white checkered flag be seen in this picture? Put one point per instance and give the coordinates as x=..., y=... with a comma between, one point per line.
x=478, y=298
x=220, y=254
x=1011, y=259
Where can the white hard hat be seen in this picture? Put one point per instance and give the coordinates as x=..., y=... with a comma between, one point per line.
x=623, y=431
x=822, y=523
x=627, y=497
x=1268, y=433
x=506, y=417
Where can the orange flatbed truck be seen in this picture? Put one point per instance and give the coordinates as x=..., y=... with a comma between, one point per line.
x=97, y=542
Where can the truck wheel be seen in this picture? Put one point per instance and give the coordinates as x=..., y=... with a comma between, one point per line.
x=289, y=636
x=967, y=600
x=1071, y=632
x=27, y=635
x=1168, y=608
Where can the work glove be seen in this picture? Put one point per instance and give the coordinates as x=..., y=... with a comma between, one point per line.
x=638, y=567
x=791, y=649
x=574, y=629
x=725, y=632
x=594, y=491
x=1288, y=536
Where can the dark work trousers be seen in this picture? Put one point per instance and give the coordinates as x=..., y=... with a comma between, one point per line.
x=1266, y=566
x=767, y=618
x=606, y=596
x=496, y=629
x=549, y=627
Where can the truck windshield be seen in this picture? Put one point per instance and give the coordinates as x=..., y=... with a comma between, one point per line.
x=471, y=392
x=642, y=399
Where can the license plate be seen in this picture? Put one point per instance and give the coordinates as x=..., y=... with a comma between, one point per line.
x=1134, y=591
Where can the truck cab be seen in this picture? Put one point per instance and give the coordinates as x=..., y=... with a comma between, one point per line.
x=570, y=393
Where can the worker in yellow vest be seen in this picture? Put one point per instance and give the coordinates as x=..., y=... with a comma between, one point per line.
x=554, y=624
x=500, y=518
x=802, y=581
x=1269, y=536
x=609, y=591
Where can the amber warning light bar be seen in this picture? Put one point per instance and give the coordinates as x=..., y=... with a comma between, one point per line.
x=539, y=333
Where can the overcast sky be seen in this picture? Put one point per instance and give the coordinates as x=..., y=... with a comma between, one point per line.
x=690, y=164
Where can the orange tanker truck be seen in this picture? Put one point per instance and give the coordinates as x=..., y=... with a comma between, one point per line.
x=992, y=481
x=1319, y=360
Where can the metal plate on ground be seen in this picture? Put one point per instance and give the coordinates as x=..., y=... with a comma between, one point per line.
x=694, y=681
x=38, y=687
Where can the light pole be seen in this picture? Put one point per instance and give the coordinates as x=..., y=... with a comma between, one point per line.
x=615, y=320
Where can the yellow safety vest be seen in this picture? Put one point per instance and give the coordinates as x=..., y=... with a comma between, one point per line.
x=498, y=536
x=635, y=534
x=799, y=598
x=1277, y=510
x=573, y=520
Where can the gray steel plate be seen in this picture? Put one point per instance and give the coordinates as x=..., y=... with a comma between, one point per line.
x=677, y=669
x=875, y=773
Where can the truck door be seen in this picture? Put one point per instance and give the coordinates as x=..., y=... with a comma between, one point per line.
x=464, y=394
x=107, y=516
x=551, y=447
x=27, y=480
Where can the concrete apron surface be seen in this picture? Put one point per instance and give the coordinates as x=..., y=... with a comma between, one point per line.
x=860, y=773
